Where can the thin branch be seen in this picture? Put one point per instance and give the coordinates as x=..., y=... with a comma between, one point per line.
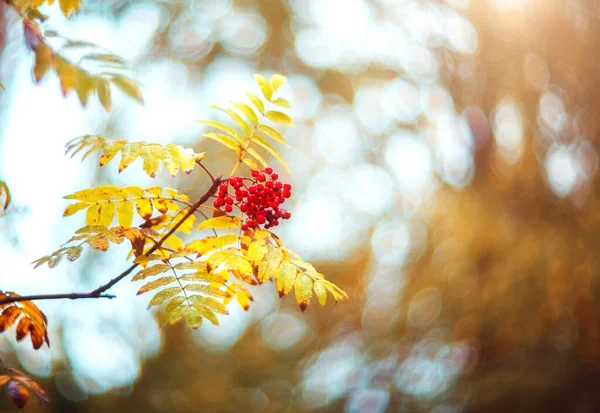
x=212, y=178
x=99, y=292
x=213, y=188
x=71, y=296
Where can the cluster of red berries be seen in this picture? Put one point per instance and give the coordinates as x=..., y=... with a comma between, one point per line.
x=260, y=201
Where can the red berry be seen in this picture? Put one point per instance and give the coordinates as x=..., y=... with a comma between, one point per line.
x=228, y=208
x=223, y=187
x=254, y=173
x=275, y=176
x=260, y=219
x=261, y=178
x=287, y=187
x=229, y=200
x=287, y=194
x=287, y=215
x=268, y=170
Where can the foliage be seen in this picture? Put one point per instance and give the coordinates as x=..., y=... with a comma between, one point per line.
x=5, y=197
x=197, y=279
x=18, y=385
x=81, y=66
x=28, y=319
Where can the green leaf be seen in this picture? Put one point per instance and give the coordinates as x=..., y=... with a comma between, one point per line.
x=277, y=81
x=222, y=222
x=247, y=111
x=279, y=117
x=163, y=296
x=273, y=134
x=256, y=101
x=224, y=140
x=155, y=284
x=265, y=86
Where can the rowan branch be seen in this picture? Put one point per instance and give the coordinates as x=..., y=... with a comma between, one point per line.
x=98, y=292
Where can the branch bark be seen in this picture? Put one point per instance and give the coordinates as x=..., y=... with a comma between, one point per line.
x=99, y=292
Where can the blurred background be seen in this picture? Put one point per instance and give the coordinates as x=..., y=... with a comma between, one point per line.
x=444, y=162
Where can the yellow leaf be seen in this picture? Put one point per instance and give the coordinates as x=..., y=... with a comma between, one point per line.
x=110, y=150
x=320, y=291
x=151, y=156
x=247, y=111
x=261, y=142
x=224, y=140
x=228, y=130
x=256, y=101
x=67, y=74
x=222, y=222
x=151, y=271
x=43, y=61
x=206, y=313
x=187, y=226
x=129, y=153
x=271, y=261
x=303, y=288
x=125, y=213
x=243, y=297
x=128, y=86
x=98, y=242
x=208, y=244
x=279, y=117
x=165, y=205
x=173, y=311
x=240, y=268
x=250, y=163
x=103, y=90
x=277, y=81
x=210, y=303
x=257, y=156
x=206, y=290
x=286, y=275
x=107, y=212
x=152, y=285
x=93, y=215
x=174, y=242
x=273, y=134
x=163, y=296
x=193, y=318
x=237, y=119
x=73, y=208
x=144, y=208
x=265, y=86
x=282, y=103
x=154, y=190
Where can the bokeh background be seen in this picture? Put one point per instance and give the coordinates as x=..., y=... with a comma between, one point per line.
x=444, y=161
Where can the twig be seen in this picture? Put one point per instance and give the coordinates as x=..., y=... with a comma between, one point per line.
x=71, y=296
x=212, y=178
x=98, y=292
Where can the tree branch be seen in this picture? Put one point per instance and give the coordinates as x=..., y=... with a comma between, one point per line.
x=98, y=292
x=71, y=296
